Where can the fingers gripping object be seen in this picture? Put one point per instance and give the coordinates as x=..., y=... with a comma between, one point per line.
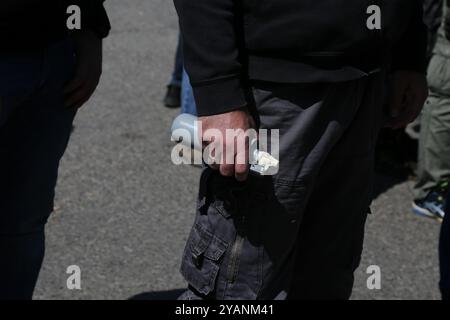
x=186, y=125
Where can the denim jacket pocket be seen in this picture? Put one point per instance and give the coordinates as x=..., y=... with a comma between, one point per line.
x=202, y=258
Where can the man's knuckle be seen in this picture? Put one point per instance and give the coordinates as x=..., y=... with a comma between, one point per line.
x=226, y=170
x=241, y=169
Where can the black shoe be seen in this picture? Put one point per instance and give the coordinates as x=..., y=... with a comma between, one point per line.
x=173, y=96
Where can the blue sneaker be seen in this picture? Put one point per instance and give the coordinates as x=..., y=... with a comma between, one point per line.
x=433, y=206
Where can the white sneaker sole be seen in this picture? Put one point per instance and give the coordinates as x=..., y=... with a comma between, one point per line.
x=424, y=212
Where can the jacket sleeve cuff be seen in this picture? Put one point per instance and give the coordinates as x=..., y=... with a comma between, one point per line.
x=218, y=97
x=95, y=18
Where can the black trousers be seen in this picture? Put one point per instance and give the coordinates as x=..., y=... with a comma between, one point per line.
x=34, y=131
x=299, y=234
x=444, y=254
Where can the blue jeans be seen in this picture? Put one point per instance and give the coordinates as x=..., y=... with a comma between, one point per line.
x=34, y=132
x=444, y=253
x=187, y=96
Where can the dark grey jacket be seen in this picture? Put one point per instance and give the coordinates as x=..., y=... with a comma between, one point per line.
x=227, y=42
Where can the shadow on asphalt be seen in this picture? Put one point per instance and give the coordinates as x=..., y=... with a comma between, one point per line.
x=159, y=295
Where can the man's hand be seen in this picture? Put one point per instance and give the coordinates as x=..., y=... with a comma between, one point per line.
x=408, y=92
x=88, y=48
x=238, y=120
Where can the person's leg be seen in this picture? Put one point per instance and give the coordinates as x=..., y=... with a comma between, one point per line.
x=444, y=254
x=32, y=142
x=434, y=145
x=22, y=257
x=331, y=235
x=177, y=75
x=433, y=170
x=243, y=243
x=187, y=96
x=172, y=98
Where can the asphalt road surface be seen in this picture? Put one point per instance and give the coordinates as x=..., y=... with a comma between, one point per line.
x=123, y=210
